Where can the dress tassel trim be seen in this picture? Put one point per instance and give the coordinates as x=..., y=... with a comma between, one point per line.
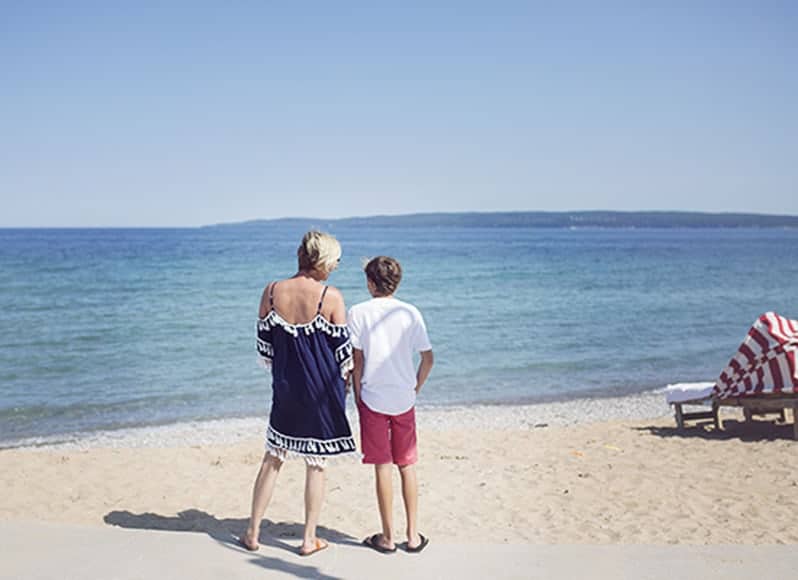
x=343, y=356
x=346, y=367
x=273, y=319
x=265, y=354
x=282, y=455
x=265, y=349
x=307, y=447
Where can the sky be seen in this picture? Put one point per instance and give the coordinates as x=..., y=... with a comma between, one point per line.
x=190, y=113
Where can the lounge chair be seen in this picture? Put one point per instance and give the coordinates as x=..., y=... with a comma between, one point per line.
x=762, y=377
x=694, y=394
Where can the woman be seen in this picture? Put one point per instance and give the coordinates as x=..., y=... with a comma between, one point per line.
x=302, y=336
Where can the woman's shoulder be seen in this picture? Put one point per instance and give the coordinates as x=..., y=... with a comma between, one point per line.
x=333, y=293
x=270, y=285
x=334, y=308
x=266, y=297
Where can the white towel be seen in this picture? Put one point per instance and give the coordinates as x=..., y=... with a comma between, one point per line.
x=684, y=392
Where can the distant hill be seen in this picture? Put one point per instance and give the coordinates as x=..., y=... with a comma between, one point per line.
x=539, y=219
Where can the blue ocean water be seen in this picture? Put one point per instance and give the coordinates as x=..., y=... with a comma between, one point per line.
x=110, y=328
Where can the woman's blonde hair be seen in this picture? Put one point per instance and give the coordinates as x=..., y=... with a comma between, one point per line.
x=318, y=251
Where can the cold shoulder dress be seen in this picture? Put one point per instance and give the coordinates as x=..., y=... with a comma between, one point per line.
x=309, y=363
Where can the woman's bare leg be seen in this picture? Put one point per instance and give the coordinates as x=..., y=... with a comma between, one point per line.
x=314, y=496
x=410, y=496
x=261, y=496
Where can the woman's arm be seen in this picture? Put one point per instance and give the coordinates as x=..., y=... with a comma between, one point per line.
x=336, y=313
x=335, y=303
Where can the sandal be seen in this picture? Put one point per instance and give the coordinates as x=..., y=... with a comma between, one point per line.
x=372, y=542
x=320, y=545
x=421, y=546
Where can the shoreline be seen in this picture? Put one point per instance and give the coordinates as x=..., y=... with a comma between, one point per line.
x=483, y=416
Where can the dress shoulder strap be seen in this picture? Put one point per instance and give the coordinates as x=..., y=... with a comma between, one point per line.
x=321, y=300
x=271, y=295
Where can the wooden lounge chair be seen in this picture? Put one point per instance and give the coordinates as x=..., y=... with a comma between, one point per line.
x=750, y=404
x=761, y=378
x=693, y=394
x=766, y=404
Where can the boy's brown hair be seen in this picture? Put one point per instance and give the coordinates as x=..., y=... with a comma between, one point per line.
x=385, y=273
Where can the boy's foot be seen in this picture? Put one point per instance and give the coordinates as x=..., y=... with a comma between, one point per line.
x=377, y=542
x=417, y=546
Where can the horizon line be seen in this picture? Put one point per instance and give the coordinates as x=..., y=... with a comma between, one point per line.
x=403, y=215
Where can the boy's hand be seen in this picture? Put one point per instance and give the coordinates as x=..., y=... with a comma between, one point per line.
x=424, y=367
x=357, y=372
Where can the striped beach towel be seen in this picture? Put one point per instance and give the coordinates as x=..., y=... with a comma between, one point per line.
x=765, y=362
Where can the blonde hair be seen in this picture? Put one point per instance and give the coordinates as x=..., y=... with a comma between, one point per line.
x=318, y=251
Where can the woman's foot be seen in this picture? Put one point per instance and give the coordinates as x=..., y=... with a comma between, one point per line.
x=308, y=548
x=247, y=542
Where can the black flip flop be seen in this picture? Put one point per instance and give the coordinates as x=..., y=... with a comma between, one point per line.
x=421, y=546
x=371, y=542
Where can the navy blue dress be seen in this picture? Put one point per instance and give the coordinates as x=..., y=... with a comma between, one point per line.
x=309, y=363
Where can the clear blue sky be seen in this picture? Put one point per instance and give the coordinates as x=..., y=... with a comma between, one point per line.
x=188, y=113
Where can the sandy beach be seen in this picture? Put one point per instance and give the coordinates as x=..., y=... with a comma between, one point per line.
x=536, y=474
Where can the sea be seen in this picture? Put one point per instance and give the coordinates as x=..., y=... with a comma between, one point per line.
x=109, y=329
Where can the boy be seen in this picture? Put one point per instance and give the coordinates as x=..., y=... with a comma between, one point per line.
x=385, y=333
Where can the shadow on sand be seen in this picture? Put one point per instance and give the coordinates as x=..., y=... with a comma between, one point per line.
x=748, y=431
x=226, y=532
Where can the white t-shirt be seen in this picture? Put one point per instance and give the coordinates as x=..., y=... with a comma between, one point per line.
x=389, y=332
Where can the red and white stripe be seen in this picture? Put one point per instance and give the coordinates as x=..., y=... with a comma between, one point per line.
x=765, y=361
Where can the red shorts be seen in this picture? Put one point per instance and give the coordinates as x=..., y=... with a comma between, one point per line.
x=387, y=438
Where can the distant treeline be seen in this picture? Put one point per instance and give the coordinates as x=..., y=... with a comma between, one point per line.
x=540, y=219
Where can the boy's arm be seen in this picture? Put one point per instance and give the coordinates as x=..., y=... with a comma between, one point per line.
x=357, y=371
x=424, y=367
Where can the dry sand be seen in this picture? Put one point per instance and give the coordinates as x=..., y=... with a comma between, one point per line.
x=525, y=474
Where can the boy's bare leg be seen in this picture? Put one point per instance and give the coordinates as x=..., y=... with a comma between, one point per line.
x=314, y=496
x=384, y=475
x=410, y=496
x=261, y=496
